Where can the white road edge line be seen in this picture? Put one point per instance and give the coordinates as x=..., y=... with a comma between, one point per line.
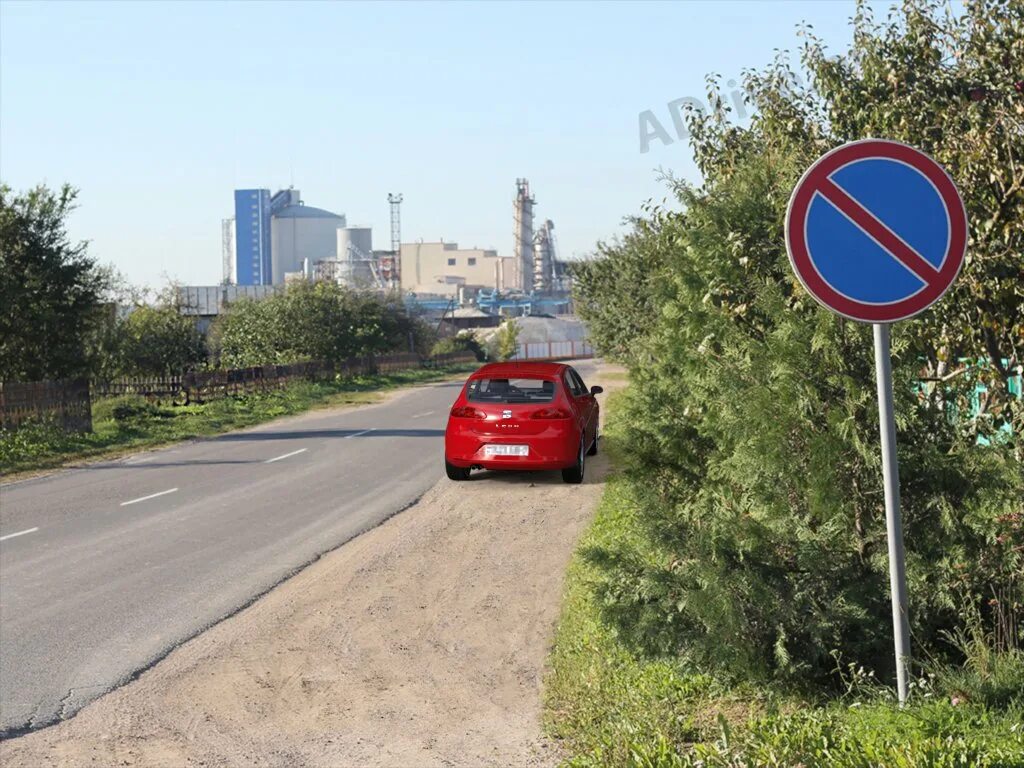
x=146, y=498
x=421, y=415
x=357, y=434
x=19, y=533
x=278, y=458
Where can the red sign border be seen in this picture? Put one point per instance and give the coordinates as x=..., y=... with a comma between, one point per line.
x=800, y=259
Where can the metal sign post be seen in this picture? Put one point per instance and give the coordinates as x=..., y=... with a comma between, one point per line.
x=893, y=522
x=876, y=231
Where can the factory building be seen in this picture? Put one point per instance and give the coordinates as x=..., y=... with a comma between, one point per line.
x=205, y=302
x=251, y=237
x=442, y=268
x=274, y=238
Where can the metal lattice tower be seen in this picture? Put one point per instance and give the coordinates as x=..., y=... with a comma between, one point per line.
x=396, y=238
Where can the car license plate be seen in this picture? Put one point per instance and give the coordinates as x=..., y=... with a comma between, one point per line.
x=499, y=449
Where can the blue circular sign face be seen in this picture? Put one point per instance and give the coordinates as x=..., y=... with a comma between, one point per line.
x=876, y=231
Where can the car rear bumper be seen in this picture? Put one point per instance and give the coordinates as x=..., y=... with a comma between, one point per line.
x=512, y=462
x=558, y=451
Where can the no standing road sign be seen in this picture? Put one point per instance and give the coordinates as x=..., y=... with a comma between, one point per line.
x=876, y=231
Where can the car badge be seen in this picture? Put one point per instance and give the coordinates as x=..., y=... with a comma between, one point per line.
x=506, y=414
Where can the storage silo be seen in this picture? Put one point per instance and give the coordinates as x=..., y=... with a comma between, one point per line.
x=302, y=232
x=354, y=251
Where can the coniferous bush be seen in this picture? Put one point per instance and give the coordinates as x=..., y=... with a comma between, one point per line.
x=754, y=427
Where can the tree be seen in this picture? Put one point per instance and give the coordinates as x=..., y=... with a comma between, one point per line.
x=753, y=426
x=248, y=334
x=50, y=289
x=618, y=291
x=463, y=341
x=506, y=340
x=157, y=341
x=314, y=321
x=105, y=342
x=952, y=85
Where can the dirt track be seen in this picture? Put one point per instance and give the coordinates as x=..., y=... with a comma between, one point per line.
x=420, y=643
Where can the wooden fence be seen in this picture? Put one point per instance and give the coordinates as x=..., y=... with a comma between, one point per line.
x=68, y=403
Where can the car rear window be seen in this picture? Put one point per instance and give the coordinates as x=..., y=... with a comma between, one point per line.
x=510, y=391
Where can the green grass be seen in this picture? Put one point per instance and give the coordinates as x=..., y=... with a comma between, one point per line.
x=612, y=706
x=126, y=424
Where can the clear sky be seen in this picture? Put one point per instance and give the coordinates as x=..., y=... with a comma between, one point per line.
x=156, y=112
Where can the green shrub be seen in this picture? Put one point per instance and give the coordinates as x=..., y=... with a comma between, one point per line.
x=935, y=734
x=753, y=440
x=126, y=408
x=614, y=704
x=35, y=437
x=463, y=341
x=505, y=342
x=315, y=321
x=156, y=341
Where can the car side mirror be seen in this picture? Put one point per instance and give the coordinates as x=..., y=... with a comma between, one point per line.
x=596, y=390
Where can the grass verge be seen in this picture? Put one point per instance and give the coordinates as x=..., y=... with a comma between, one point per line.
x=613, y=706
x=126, y=424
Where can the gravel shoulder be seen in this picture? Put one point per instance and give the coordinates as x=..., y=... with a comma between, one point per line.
x=420, y=643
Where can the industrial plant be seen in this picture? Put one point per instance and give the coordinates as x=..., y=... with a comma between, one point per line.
x=273, y=239
x=276, y=238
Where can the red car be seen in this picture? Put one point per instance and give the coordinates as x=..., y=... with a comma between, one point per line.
x=522, y=416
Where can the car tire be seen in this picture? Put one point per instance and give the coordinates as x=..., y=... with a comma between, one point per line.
x=455, y=473
x=574, y=474
x=593, y=446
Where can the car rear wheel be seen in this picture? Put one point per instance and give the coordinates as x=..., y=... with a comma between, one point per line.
x=455, y=473
x=574, y=474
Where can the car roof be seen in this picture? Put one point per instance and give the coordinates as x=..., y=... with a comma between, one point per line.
x=525, y=368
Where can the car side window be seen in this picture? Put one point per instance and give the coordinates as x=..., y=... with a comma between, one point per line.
x=579, y=381
x=570, y=384
x=574, y=383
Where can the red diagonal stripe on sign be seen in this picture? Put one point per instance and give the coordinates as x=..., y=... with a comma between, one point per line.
x=880, y=233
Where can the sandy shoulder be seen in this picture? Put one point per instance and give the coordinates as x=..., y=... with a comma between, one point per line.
x=420, y=643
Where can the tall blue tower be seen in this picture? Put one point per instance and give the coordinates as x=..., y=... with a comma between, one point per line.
x=252, y=237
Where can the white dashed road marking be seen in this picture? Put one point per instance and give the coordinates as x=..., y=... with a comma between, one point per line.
x=146, y=498
x=19, y=533
x=278, y=458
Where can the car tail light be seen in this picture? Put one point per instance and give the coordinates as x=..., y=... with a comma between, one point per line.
x=550, y=413
x=467, y=412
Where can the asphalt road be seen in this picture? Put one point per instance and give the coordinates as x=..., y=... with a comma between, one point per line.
x=107, y=568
